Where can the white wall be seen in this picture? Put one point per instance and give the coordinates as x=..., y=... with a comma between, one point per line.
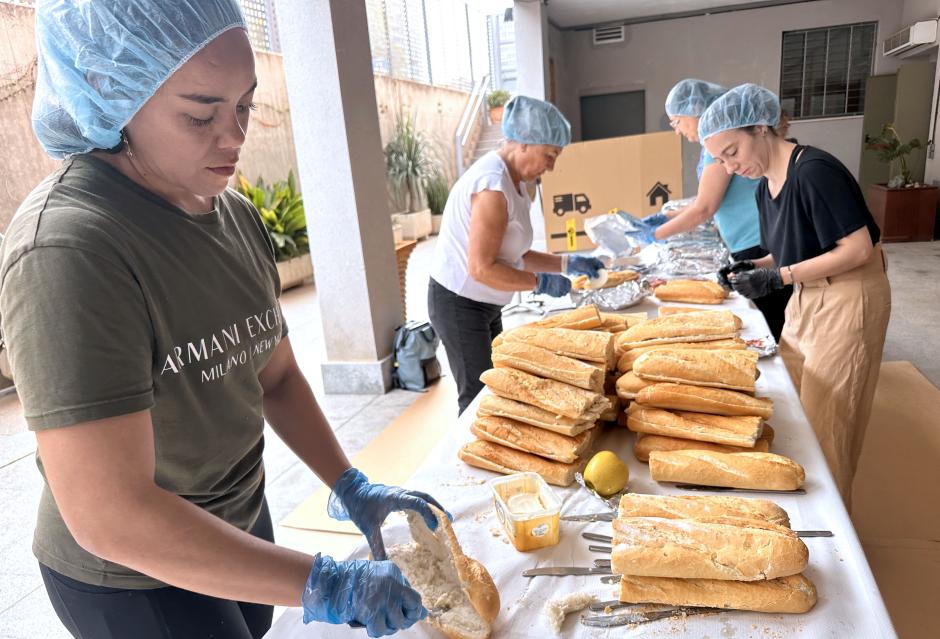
x=728, y=48
x=915, y=10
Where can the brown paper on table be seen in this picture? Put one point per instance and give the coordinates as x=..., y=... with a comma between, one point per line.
x=407, y=440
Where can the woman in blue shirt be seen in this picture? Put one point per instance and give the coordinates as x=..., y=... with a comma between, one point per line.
x=727, y=198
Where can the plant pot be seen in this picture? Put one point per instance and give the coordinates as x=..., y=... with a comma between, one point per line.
x=496, y=114
x=397, y=234
x=905, y=214
x=415, y=226
x=295, y=271
x=436, y=224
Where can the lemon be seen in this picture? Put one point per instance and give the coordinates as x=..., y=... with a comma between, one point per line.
x=606, y=473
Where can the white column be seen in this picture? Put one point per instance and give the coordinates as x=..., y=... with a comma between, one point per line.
x=328, y=67
x=530, y=20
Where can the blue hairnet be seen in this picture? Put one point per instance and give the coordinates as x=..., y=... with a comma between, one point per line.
x=532, y=121
x=692, y=97
x=101, y=60
x=744, y=105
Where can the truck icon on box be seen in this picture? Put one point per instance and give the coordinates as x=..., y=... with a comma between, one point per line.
x=568, y=202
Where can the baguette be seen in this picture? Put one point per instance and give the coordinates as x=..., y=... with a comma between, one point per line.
x=646, y=444
x=531, y=439
x=672, y=310
x=732, y=369
x=556, y=397
x=732, y=431
x=490, y=456
x=629, y=384
x=756, y=471
x=544, y=363
x=691, y=291
x=445, y=577
x=625, y=361
x=717, y=401
x=589, y=346
x=585, y=318
x=614, y=278
x=745, y=550
x=702, y=326
x=496, y=406
x=793, y=594
x=699, y=506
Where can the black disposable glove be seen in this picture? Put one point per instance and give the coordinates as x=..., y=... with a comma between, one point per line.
x=757, y=282
x=736, y=267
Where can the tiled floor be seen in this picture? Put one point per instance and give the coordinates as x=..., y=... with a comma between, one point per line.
x=24, y=608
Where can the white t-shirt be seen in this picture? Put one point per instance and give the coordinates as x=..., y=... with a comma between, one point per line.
x=449, y=268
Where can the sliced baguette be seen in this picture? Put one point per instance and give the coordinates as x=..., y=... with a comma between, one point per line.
x=500, y=459
x=496, y=406
x=701, y=399
x=435, y=565
x=732, y=369
x=547, y=394
x=743, y=431
x=696, y=506
x=532, y=439
x=646, y=444
x=691, y=291
x=756, y=471
x=589, y=346
x=544, y=363
x=625, y=362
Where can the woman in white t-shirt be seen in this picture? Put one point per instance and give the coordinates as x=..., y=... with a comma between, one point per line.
x=484, y=253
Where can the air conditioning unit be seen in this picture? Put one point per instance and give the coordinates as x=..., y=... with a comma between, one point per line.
x=608, y=35
x=911, y=39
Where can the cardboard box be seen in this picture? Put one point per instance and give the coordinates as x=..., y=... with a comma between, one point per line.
x=636, y=173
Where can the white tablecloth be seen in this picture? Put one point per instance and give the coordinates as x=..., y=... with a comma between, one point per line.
x=850, y=605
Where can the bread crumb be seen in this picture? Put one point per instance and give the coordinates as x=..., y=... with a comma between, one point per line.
x=558, y=608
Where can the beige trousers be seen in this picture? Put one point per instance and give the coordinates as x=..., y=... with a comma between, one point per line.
x=831, y=344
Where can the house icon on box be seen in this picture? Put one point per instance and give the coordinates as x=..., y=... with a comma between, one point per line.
x=659, y=191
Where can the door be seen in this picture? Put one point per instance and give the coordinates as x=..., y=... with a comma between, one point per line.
x=613, y=114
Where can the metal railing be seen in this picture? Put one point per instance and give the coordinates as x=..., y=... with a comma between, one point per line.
x=471, y=112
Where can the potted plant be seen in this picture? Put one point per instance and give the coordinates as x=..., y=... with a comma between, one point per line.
x=282, y=212
x=407, y=165
x=905, y=210
x=436, y=189
x=496, y=100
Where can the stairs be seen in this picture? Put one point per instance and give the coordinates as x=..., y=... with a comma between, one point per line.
x=489, y=140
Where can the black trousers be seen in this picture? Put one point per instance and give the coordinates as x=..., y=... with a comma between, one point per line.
x=773, y=305
x=466, y=328
x=95, y=612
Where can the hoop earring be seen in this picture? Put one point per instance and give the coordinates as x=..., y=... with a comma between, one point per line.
x=127, y=144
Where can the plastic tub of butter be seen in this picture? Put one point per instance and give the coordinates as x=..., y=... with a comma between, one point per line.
x=527, y=509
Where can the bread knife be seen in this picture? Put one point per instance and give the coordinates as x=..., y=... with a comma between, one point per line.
x=726, y=489
x=609, y=621
x=565, y=571
x=605, y=516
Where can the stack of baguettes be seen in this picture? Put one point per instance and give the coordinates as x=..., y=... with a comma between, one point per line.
x=720, y=552
x=691, y=383
x=547, y=396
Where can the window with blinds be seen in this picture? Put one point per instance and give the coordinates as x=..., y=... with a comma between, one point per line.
x=823, y=71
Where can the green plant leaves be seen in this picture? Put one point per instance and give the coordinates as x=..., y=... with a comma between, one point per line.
x=281, y=208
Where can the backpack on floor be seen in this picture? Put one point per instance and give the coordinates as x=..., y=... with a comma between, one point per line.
x=416, y=364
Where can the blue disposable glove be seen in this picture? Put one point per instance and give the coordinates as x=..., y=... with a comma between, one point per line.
x=581, y=265
x=644, y=233
x=367, y=505
x=552, y=284
x=655, y=220
x=373, y=594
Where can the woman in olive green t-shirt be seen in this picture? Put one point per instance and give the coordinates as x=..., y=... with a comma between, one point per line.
x=138, y=299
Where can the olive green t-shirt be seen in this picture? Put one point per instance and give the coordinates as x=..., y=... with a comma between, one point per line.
x=114, y=301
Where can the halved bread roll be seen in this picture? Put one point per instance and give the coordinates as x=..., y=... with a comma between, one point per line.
x=793, y=594
x=629, y=384
x=589, y=346
x=692, y=291
x=532, y=439
x=544, y=363
x=585, y=318
x=696, y=506
x=435, y=565
x=743, y=431
x=526, y=413
x=733, y=369
x=756, y=471
x=745, y=550
x=625, y=362
x=556, y=397
x=646, y=444
x=717, y=401
x=500, y=459
x=702, y=326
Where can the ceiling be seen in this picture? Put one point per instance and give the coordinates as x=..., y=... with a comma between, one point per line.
x=570, y=14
